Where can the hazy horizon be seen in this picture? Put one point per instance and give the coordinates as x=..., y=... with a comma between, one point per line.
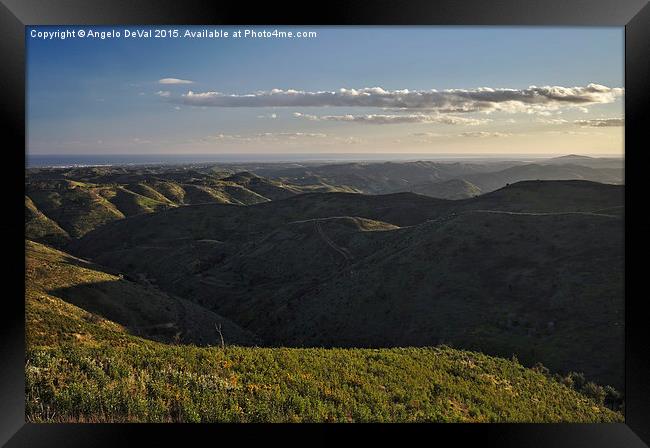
x=67, y=160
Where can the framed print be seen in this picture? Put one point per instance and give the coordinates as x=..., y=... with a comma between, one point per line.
x=268, y=223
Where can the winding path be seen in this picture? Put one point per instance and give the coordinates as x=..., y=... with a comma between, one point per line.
x=342, y=250
x=542, y=213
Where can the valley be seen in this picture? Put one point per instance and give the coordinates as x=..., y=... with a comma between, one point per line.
x=338, y=262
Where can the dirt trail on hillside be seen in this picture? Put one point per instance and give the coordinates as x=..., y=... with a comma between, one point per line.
x=341, y=250
x=544, y=213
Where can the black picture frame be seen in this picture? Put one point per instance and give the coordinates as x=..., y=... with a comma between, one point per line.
x=634, y=15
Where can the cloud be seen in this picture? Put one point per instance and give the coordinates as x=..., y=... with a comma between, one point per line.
x=174, y=81
x=394, y=119
x=483, y=99
x=164, y=93
x=265, y=136
x=292, y=135
x=590, y=133
x=485, y=134
x=140, y=141
x=552, y=120
x=426, y=134
x=423, y=137
x=349, y=140
x=601, y=122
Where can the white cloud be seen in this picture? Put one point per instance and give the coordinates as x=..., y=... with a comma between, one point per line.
x=589, y=133
x=266, y=136
x=164, y=93
x=138, y=140
x=394, y=119
x=552, y=120
x=601, y=122
x=292, y=135
x=426, y=134
x=174, y=81
x=485, y=134
x=349, y=140
x=423, y=137
x=484, y=99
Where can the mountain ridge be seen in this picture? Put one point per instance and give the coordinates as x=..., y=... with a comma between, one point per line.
x=257, y=277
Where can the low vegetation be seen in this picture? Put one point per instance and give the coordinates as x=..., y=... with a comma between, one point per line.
x=142, y=381
x=82, y=367
x=279, y=293
x=530, y=269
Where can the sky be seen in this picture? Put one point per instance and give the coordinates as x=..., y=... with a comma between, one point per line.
x=429, y=90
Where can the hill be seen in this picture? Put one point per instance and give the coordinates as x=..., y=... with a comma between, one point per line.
x=534, y=269
x=271, y=190
x=41, y=228
x=83, y=367
x=76, y=201
x=494, y=180
x=449, y=180
x=378, y=177
x=591, y=162
x=540, y=196
x=55, y=279
x=81, y=199
x=449, y=189
x=74, y=206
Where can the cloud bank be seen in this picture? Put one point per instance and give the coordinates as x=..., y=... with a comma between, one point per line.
x=394, y=119
x=273, y=136
x=174, y=81
x=601, y=122
x=484, y=99
x=485, y=134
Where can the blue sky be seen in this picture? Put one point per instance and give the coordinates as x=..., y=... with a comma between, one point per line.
x=97, y=96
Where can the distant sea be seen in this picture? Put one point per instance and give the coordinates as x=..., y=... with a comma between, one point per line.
x=41, y=161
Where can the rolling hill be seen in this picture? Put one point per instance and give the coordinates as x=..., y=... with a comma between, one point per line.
x=494, y=180
x=534, y=269
x=55, y=281
x=41, y=228
x=82, y=366
x=446, y=180
x=78, y=200
x=448, y=189
x=74, y=206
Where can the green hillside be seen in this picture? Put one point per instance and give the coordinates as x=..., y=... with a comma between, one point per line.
x=76, y=207
x=83, y=367
x=535, y=269
x=147, y=382
x=58, y=208
x=448, y=189
x=284, y=292
x=56, y=280
x=146, y=190
x=130, y=203
x=41, y=228
x=273, y=190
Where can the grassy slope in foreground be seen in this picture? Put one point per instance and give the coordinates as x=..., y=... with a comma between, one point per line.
x=82, y=367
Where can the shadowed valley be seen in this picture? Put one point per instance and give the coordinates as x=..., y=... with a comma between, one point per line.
x=335, y=257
